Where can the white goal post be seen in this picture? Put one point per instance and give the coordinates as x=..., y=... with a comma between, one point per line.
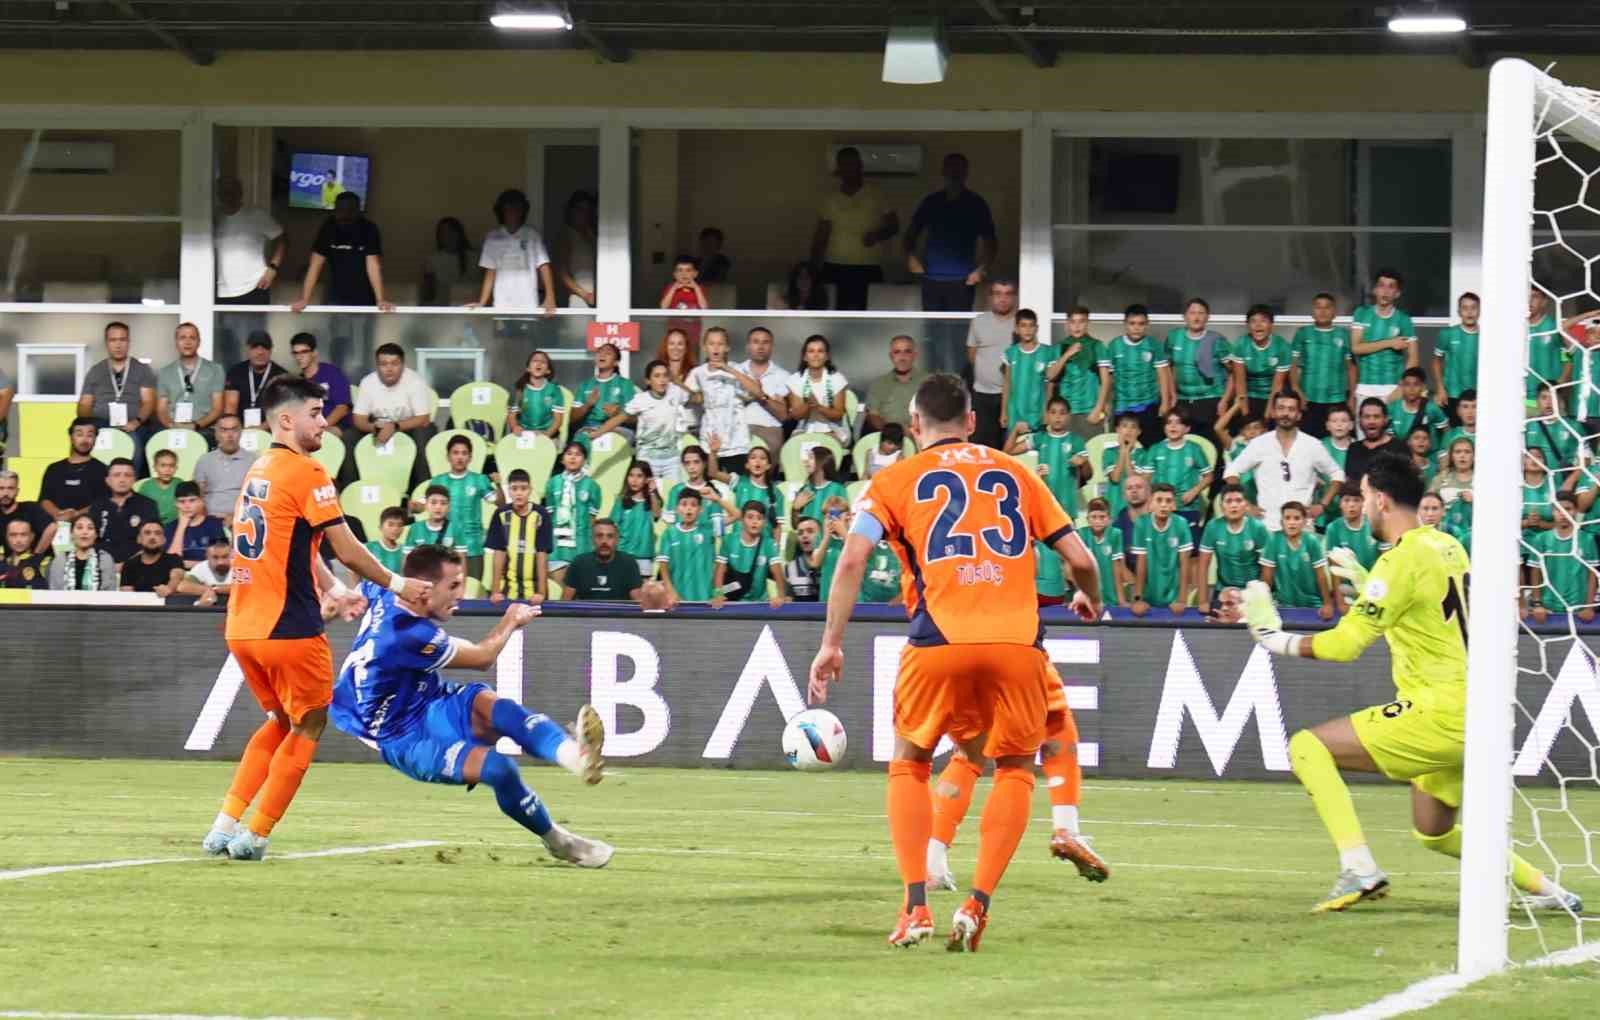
x=1527, y=108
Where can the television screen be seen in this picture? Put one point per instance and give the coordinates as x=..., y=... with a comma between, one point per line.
x=1133, y=182
x=317, y=178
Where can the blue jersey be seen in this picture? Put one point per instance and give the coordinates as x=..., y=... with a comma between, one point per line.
x=391, y=675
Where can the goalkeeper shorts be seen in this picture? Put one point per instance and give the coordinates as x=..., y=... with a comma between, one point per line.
x=1416, y=742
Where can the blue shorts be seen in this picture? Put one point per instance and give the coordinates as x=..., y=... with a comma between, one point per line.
x=436, y=749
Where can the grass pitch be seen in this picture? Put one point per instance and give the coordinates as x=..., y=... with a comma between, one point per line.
x=733, y=894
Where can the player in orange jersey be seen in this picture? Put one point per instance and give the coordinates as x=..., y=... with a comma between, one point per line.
x=287, y=507
x=963, y=519
x=1058, y=757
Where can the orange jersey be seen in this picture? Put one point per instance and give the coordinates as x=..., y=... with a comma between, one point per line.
x=285, y=502
x=963, y=519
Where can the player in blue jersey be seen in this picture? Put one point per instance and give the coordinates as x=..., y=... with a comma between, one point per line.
x=436, y=731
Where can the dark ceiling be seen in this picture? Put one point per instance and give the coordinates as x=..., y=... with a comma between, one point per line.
x=1039, y=32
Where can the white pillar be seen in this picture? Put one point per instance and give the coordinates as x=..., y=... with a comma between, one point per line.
x=197, y=256
x=1036, y=268
x=614, y=260
x=1466, y=211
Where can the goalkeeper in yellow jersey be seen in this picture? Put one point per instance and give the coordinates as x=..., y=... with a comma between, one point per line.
x=1416, y=598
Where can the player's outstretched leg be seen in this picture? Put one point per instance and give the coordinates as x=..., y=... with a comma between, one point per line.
x=1360, y=878
x=247, y=781
x=1063, y=780
x=910, y=826
x=524, y=807
x=1005, y=819
x=577, y=752
x=952, y=796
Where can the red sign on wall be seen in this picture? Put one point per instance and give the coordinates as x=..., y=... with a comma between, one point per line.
x=622, y=335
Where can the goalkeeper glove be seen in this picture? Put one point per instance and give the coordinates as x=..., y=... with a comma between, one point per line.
x=1266, y=626
x=1344, y=564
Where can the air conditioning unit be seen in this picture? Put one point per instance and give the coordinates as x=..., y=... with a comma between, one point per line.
x=882, y=160
x=71, y=157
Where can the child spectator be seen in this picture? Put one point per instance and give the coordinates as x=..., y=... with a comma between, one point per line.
x=537, y=404
x=821, y=484
x=1120, y=460
x=1547, y=361
x=685, y=293
x=1562, y=564
x=746, y=559
x=716, y=502
x=1455, y=357
x=686, y=553
x=656, y=414
x=1049, y=579
x=1354, y=532
x=600, y=398
x=1419, y=444
x=1180, y=464
x=1324, y=371
x=1252, y=428
x=718, y=389
x=1063, y=459
x=437, y=525
x=1466, y=413
x=1163, y=542
x=83, y=567
x=194, y=530
x=1383, y=338
x=817, y=391
x=212, y=578
x=1267, y=359
x=1081, y=377
x=881, y=583
x=757, y=484
x=1454, y=482
x=1294, y=565
x=1538, y=495
x=1431, y=512
x=1027, y=376
x=798, y=574
x=469, y=491
x=22, y=567
x=636, y=508
x=388, y=547
x=712, y=266
x=519, y=536
x=1105, y=543
x=1204, y=372
x=1414, y=411
x=161, y=488
x=1136, y=376
x=572, y=500
x=891, y=448
x=152, y=568
x=1237, y=540
x=835, y=526
x=1341, y=427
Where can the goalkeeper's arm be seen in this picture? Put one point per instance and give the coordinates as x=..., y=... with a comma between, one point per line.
x=1344, y=643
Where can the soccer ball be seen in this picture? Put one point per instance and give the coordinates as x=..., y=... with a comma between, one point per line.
x=814, y=740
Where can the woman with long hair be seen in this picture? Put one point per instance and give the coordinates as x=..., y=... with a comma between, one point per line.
x=715, y=499
x=83, y=567
x=636, y=509
x=452, y=261
x=576, y=248
x=821, y=484
x=817, y=391
x=572, y=499
x=537, y=403
x=805, y=291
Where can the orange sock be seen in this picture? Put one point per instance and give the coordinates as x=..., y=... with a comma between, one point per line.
x=1063, y=779
x=952, y=796
x=910, y=824
x=289, y=764
x=1005, y=819
x=252, y=770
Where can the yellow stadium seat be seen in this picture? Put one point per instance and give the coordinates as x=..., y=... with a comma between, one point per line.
x=331, y=454
x=533, y=452
x=186, y=444
x=390, y=463
x=30, y=473
x=479, y=401
x=867, y=444
x=366, y=501
x=255, y=440
x=789, y=457
x=109, y=444
x=609, y=458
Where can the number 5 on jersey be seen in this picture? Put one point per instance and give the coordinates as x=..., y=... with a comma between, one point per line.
x=250, y=520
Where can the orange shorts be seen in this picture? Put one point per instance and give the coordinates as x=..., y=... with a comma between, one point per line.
x=288, y=676
x=970, y=690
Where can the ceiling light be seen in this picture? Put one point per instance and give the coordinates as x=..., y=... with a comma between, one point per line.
x=915, y=53
x=1427, y=23
x=533, y=18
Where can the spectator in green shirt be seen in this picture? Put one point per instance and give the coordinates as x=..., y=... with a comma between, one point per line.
x=1063, y=461
x=1354, y=532
x=1561, y=564
x=1384, y=339
x=1206, y=377
x=747, y=559
x=469, y=491
x=387, y=548
x=1163, y=542
x=1105, y=544
x=1140, y=376
x=435, y=527
x=537, y=403
x=1324, y=370
x=1120, y=461
x=1419, y=444
x=1027, y=375
x=161, y=488
x=1081, y=376
x=602, y=396
x=1294, y=565
x=1267, y=359
x=686, y=553
x=1182, y=465
x=1414, y=410
x=1545, y=346
x=1236, y=540
x=1455, y=357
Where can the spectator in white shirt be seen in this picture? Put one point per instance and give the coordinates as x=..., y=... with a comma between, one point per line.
x=768, y=405
x=245, y=272
x=212, y=577
x=817, y=391
x=988, y=338
x=1287, y=464
x=717, y=387
x=515, y=264
x=395, y=399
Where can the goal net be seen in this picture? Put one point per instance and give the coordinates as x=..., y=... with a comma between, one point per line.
x=1532, y=780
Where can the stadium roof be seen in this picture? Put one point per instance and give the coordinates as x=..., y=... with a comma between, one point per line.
x=1041, y=32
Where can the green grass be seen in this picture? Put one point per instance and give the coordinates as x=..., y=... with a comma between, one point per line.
x=733, y=894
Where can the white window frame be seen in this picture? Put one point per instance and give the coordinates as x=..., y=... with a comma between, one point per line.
x=27, y=382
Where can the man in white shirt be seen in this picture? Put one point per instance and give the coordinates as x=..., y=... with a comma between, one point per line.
x=988, y=338
x=245, y=272
x=514, y=260
x=1287, y=464
x=212, y=577
x=395, y=399
x=766, y=411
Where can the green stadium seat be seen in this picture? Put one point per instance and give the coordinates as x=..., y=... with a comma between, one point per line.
x=366, y=500
x=390, y=463
x=479, y=401
x=186, y=444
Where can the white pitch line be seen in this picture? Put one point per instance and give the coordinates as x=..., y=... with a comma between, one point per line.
x=339, y=851
x=28, y=1014
x=1435, y=990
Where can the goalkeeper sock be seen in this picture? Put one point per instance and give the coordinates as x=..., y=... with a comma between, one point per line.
x=910, y=826
x=1005, y=819
x=952, y=797
x=1523, y=875
x=252, y=771
x=1062, y=777
x=1314, y=766
x=516, y=801
x=537, y=734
